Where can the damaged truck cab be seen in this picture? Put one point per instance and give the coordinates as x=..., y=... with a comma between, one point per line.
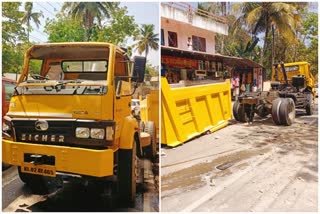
x=70, y=115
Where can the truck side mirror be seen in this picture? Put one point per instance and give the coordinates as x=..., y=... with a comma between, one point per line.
x=139, y=68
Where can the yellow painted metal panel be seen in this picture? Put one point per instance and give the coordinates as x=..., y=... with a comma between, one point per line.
x=81, y=161
x=188, y=112
x=62, y=106
x=149, y=109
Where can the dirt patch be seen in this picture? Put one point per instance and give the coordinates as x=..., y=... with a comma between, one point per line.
x=191, y=178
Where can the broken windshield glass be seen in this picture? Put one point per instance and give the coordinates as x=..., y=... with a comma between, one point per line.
x=69, y=87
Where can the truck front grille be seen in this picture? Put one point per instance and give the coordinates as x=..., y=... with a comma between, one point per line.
x=58, y=133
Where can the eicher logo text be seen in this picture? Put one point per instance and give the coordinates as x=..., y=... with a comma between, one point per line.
x=42, y=138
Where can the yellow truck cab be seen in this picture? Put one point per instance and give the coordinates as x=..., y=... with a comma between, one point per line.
x=295, y=69
x=70, y=114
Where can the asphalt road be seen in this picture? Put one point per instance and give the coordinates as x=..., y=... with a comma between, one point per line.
x=75, y=197
x=245, y=167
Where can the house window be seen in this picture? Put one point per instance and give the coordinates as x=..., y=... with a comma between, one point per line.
x=199, y=43
x=162, y=37
x=173, y=39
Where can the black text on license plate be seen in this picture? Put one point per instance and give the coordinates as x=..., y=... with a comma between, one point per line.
x=39, y=170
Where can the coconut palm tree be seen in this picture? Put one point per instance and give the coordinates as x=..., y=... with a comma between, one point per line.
x=147, y=39
x=89, y=12
x=29, y=15
x=261, y=16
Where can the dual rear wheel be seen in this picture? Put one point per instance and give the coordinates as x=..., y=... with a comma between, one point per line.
x=283, y=111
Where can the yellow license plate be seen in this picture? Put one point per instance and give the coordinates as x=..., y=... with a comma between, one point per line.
x=45, y=170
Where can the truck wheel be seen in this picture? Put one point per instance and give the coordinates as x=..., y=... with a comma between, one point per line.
x=242, y=116
x=35, y=182
x=152, y=148
x=261, y=111
x=235, y=109
x=275, y=110
x=128, y=175
x=310, y=105
x=287, y=112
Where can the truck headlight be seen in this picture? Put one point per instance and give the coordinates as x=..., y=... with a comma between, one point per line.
x=5, y=127
x=82, y=132
x=109, y=133
x=6, y=124
x=97, y=133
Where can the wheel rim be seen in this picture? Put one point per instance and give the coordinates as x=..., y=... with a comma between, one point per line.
x=292, y=112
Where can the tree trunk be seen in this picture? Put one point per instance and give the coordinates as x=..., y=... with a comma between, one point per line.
x=28, y=29
x=146, y=50
x=264, y=45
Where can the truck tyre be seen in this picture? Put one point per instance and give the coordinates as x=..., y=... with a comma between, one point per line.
x=275, y=110
x=152, y=148
x=235, y=108
x=261, y=111
x=242, y=116
x=35, y=182
x=287, y=112
x=310, y=105
x=128, y=175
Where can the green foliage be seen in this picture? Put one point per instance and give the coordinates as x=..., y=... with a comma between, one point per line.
x=35, y=66
x=64, y=29
x=11, y=23
x=30, y=15
x=12, y=35
x=118, y=30
x=295, y=34
x=147, y=39
x=89, y=13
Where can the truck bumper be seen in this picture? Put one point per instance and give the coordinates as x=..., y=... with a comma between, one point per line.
x=97, y=163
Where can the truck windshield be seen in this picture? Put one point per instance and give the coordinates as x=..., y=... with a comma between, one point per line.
x=62, y=87
x=292, y=68
x=73, y=77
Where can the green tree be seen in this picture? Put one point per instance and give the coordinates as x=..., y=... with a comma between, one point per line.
x=30, y=15
x=119, y=28
x=12, y=36
x=89, y=13
x=64, y=29
x=261, y=16
x=11, y=23
x=147, y=39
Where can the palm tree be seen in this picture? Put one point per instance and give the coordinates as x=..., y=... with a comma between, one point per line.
x=29, y=15
x=261, y=16
x=147, y=39
x=89, y=11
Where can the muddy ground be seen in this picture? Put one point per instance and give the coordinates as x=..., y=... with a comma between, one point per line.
x=257, y=167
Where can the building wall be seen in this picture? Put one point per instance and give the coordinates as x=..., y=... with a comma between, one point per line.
x=185, y=30
x=189, y=17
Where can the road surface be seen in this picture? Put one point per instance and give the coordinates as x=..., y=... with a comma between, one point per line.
x=248, y=168
x=74, y=197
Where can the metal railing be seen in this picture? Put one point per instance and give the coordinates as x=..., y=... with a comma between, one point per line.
x=195, y=11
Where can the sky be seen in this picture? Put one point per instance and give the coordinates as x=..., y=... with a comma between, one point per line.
x=143, y=12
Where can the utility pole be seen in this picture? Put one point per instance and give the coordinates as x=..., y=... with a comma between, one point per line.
x=273, y=49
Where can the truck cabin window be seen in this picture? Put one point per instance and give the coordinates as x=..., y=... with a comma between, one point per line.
x=86, y=69
x=85, y=66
